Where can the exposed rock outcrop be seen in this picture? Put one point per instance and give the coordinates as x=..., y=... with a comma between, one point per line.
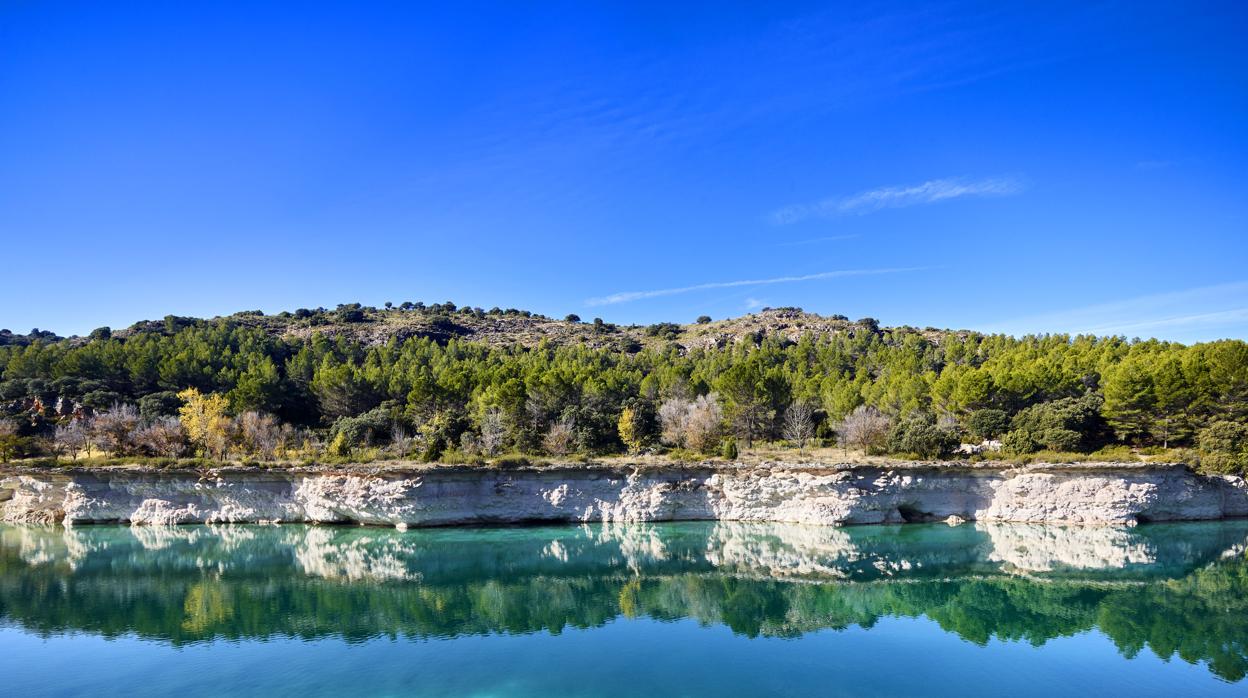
x=1086, y=493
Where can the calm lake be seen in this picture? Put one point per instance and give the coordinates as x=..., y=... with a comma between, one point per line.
x=682, y=609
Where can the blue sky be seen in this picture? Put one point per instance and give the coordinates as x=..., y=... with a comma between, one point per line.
x=1000, y=166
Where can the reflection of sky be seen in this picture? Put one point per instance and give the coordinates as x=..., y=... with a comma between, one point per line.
x=626, y=658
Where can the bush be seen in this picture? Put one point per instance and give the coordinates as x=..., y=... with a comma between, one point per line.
x=663, y=330
x=1224, y=448
x=729, y=450
x=156, y=405
x=338, y=447
x=1019, y=442
x=511, y=462
x=982, y=425
x=920, y=436
x=363, y=430
x=1068, y=424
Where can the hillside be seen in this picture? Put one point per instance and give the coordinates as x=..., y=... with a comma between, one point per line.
x=372, y=326
x=314, y=384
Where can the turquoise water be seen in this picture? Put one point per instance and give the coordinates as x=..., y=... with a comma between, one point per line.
x=689, y=609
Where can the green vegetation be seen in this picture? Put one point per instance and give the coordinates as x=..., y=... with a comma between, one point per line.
x=357, y=381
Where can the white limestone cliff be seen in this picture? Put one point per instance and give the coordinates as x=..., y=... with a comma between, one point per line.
x=438, y=496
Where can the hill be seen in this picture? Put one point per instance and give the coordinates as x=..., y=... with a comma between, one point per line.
x=443, y=382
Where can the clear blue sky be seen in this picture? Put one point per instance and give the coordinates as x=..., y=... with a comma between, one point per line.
x=1060, y=166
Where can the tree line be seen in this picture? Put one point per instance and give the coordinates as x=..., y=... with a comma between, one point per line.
x=901, y=391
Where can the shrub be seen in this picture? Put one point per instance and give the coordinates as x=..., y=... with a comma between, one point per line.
x=338, y=447
x=362, y=430
x=729, y=450
x=920, y=436
x=1224, y=447
x=1068, y=424
x=511, y=462
x=1019, y=442
x=663, y=330
x=987, y=424
x=156, y=405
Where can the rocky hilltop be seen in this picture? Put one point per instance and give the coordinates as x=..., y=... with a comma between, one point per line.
x=831, y=494
x=511, y=327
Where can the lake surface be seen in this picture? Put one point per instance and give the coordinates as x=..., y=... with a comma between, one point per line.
x=681, y=609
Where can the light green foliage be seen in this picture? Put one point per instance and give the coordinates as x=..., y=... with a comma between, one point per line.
x=1224, y=447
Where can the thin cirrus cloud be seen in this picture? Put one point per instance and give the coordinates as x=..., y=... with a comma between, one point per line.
x=629, y=296
x=1194, y=314
x=929, y=192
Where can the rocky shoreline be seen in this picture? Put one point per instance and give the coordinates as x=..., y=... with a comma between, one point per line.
x=829, y=494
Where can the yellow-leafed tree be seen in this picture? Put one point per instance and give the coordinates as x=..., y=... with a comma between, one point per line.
x=204, y=419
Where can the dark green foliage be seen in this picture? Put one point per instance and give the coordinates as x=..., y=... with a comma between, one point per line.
x=987, y=424
x=704, y=319
x=162, y=404
x=663, y=330
x=372, y=427
x=920, y=436
x=572, y=317
x=1068, y=424
x=101, y=399
x=729, y=450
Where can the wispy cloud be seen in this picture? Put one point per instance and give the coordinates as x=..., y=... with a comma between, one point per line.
x=929, y=192
x=629, y=296
x=753, y=304
x=815, y=241
x=1195, y=314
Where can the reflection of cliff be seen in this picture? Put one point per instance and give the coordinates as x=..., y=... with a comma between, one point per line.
x=1186, y=590
x=1035, y=548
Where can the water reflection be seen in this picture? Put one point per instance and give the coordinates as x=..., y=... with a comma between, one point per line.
x=1174, y=589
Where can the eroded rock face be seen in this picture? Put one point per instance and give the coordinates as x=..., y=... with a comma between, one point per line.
x=1123, y=495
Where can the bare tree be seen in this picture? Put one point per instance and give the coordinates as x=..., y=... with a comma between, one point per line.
x=705, y=424
x=493, y=431
x=259, y=433
x=673, y=421
x=113, y=429
x=865, y=429
x=401, y=440
x=799, y=423
x=72, y=438
x=469, y=444
x=560, y=437
x=696, y=424
x=162, y=437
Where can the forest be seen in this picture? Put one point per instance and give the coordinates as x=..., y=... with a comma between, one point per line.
x=225, y=389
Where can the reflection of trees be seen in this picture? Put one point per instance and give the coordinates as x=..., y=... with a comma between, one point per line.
x=200, y=584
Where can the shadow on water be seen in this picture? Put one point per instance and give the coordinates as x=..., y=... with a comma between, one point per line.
x=1174, y=589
